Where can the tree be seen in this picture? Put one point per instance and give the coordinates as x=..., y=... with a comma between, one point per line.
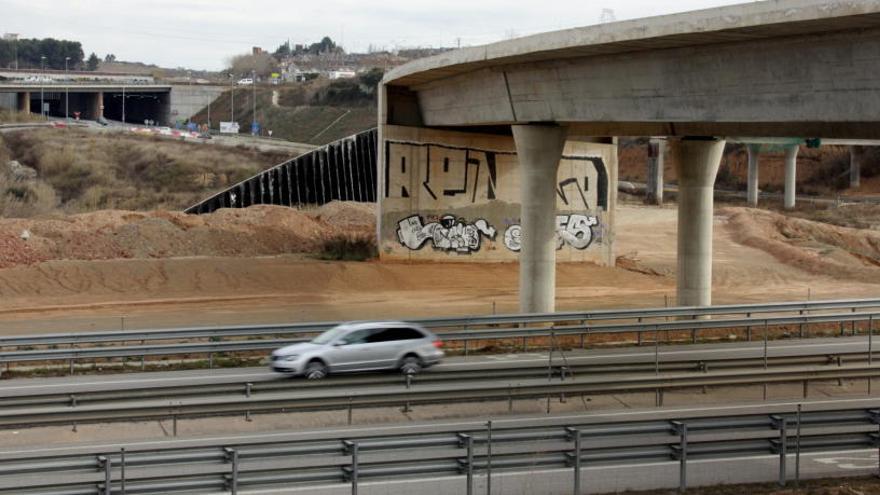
x=283, y=50
x=263, y=64
x=326, y=45
x=92, y=63
x=110, y=58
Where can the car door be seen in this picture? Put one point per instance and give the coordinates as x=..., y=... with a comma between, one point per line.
x=350, y=352
x=390, y=344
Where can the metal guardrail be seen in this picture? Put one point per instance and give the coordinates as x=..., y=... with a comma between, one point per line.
x=467, y=329
x=469, y=449
x=247, y=401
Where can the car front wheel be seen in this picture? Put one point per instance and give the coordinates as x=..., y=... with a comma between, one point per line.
x=315, y=370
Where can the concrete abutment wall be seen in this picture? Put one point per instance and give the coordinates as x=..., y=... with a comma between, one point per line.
x=457, y=196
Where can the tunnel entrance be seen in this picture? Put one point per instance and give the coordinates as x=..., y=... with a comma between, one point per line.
x=84, y=103
x=138, y=107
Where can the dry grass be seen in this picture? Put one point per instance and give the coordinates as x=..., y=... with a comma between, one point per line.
x=89, y=171
x=8, y=117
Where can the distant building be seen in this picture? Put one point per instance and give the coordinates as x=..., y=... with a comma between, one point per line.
x=257, y=50
x=341, y=74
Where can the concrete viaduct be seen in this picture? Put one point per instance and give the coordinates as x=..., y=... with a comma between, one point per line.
x=778, y=69
x=113, y=100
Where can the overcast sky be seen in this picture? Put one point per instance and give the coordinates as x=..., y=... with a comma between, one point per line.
x=203, y=34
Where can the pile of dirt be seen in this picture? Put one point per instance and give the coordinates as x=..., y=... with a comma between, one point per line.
x=114, y=234
x=815, y=247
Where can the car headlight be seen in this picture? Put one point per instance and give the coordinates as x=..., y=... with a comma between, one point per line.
x=293, y=357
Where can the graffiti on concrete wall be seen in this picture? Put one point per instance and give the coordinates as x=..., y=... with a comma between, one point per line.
x=575, y=231
x=478, y=175
x=446, y=234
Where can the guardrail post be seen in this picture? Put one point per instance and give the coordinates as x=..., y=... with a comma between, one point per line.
x=749, y=329
x=247, y=389
x=870, y=349
x=467, y=441
x=682, y=430
x=232, y=456
x=353, y=449
x=350, y=409
x=639, y=332
x=575, y=434
x=801, y=327
x=875, y=418
x=489, y=457
x=122, y=469
x=779, y=423
x=806, y=388
x=107, y=465
x=797, y=447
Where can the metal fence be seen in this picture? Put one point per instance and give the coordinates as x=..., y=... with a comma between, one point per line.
x=471, y=450
x=344, y=170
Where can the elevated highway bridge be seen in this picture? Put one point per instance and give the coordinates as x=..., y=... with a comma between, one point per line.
x=777, y=69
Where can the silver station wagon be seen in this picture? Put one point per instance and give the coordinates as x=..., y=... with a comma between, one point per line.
x=361, y=347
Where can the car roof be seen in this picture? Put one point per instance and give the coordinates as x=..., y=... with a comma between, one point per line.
x=361, y=325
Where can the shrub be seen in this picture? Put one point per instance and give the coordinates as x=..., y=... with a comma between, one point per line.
x=349, y=248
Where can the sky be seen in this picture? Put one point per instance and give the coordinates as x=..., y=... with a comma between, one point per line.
x=205, y=34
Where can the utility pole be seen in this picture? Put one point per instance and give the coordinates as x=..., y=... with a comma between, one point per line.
x=232, y=103
x=66, y=92
x=254, y=83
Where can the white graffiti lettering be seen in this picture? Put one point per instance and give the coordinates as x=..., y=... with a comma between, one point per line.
x=448, y=234
x=574, y=230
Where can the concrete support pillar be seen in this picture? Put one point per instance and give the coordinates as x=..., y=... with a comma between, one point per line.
x=697, y=160
x=855, y=166
x=752, y=185
x=97, y=110
x=654, y=187
x=791, y=153
x=24, y=102
x=539, y=149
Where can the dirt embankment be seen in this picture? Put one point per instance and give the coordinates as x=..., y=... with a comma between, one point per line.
x=112, y=234
x=815, y=247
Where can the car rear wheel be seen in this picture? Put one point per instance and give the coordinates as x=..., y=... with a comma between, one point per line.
x=315, y=370
x=410, y=365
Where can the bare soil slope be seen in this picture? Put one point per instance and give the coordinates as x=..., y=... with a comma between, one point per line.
x=250, y=266
x=105, y=235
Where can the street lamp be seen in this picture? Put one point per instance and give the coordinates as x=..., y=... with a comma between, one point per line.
x=42, y=81
x=254, y=83
x=232, y=101
x=66, y=91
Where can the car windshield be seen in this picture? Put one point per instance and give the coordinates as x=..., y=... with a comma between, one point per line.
x=328, y=336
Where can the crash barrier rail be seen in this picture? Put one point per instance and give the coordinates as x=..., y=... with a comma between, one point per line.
x=465, y=451
x=551, y=367
x=247, y=401
x=258, y=338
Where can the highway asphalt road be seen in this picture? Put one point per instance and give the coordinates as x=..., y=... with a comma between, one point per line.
x=483, y=363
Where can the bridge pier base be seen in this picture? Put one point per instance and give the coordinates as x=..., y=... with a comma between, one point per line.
x=697, y=161
x=654, y=186
x=791, y=153
x=752, y=183
x=24, y=102
x=539, y=148
x=97, y=110
x=855, y=166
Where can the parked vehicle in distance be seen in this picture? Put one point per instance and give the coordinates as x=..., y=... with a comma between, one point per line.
x=361, y=347
x=244, y=82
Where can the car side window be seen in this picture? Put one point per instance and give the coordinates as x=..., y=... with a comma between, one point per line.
x=356, y=337
x=395, y=334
